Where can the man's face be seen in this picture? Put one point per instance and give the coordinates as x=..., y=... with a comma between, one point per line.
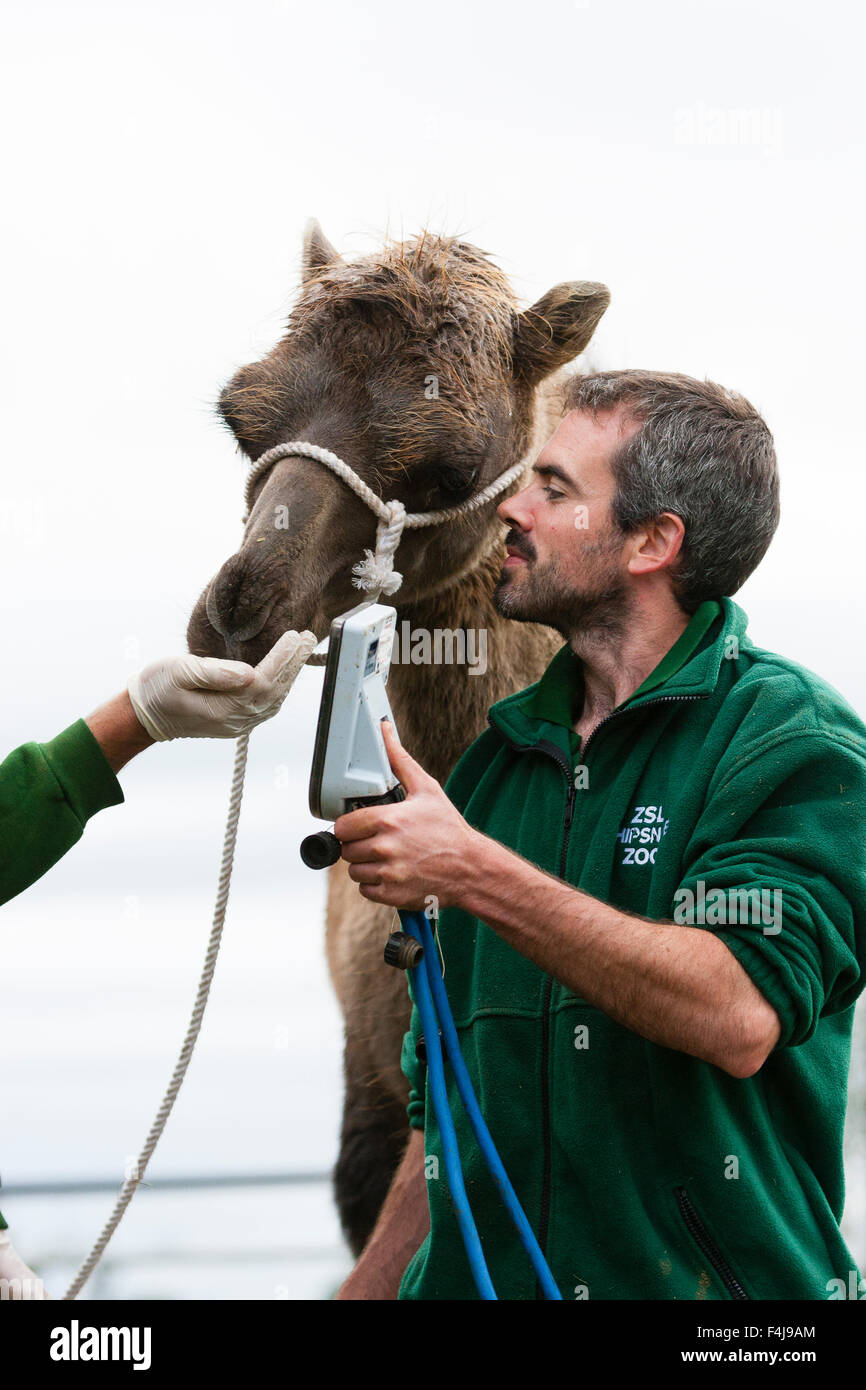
x=566, y=564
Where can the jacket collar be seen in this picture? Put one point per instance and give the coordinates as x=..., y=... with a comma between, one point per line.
x=547, y=709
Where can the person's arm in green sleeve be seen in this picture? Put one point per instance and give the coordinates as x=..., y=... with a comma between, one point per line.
x=49, y=791
x=783, y=838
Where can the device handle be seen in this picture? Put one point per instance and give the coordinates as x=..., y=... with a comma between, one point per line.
x=322, y=848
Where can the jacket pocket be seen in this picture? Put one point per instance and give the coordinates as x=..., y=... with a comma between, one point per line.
x=708, y=1247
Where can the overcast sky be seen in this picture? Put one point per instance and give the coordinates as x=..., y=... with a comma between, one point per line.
x=160, y=161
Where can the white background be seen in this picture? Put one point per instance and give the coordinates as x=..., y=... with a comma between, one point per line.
x=705, y=160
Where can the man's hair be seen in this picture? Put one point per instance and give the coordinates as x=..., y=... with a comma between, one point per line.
x=702, y=452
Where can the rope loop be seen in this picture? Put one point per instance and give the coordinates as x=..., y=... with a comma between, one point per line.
x=375, y=574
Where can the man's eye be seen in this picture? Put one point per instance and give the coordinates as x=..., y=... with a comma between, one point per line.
x=552, y=491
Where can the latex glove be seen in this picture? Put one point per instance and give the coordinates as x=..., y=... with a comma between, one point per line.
x=207, y=697
x=12, y=1267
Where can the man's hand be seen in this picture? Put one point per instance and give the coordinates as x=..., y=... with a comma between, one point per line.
x=403, y=854
x=204, y=697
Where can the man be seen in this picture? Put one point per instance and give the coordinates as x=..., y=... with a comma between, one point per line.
x=651, y=881
x=48, y=791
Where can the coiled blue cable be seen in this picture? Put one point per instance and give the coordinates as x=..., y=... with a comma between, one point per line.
x=429, y=985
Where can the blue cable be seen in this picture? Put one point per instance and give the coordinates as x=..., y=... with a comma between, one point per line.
x=428, y=981
x=450, y=1150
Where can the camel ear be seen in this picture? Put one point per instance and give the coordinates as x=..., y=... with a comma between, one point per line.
x=318, y=251
x=557, y=328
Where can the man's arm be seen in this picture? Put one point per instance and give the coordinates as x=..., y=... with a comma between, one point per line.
x=403, y=1223
x=675, y=985
x=117, y=730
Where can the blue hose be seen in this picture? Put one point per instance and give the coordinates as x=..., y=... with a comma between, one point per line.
x=450, y=1151
x=428, y=983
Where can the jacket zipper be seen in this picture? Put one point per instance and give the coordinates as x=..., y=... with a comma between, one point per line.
x=635, y=709
x=702, y=1238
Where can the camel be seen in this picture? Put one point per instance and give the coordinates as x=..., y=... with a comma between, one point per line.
x=416, y=366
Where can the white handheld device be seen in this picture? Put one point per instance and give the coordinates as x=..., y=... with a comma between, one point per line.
x=350, y=761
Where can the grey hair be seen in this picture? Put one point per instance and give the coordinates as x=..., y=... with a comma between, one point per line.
x=702, y=452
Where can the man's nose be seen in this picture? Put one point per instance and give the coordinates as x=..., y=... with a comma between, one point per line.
x=515, y=512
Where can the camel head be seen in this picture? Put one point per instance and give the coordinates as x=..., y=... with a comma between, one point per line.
x=417, y=368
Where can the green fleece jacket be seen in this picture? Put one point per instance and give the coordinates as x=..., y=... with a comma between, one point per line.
x=646, y=1173
x=48, y=792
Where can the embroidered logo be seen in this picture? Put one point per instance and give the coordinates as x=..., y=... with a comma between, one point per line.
x=641, y=835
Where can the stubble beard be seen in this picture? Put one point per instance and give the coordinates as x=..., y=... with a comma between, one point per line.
x=544, y=595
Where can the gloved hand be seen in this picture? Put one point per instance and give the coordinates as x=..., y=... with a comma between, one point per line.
x=22, y=1282
x=207, y=697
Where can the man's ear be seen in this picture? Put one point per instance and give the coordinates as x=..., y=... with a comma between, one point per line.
x=661, y=543
x=557, y=328
x=317, y=253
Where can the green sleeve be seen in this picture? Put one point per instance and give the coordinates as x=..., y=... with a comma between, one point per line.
x=48, y=792
x=787, y=825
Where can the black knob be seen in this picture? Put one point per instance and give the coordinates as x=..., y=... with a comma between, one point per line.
x=403, y=951
x=320, y=850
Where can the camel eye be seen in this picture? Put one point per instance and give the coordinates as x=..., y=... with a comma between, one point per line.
x=457, y=482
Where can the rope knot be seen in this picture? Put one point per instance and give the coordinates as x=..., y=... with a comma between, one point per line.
x=376, y=571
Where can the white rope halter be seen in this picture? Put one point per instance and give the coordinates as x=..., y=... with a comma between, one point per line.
x=376, y=573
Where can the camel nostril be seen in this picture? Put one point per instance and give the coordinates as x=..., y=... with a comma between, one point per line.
x=235, y=614
x=229, y=628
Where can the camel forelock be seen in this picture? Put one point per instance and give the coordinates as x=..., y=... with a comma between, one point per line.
x=431, y=309
x=439, y=301
x=438, y=289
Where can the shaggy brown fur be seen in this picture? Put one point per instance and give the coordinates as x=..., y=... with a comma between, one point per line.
x=353, y=372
